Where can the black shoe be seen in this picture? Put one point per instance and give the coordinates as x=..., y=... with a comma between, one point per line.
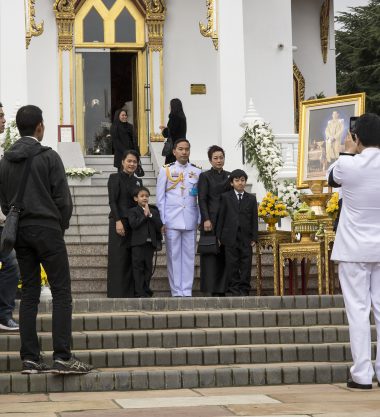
x=33, y=367
x=353, y=384
x=71, y=366
x=9, y=324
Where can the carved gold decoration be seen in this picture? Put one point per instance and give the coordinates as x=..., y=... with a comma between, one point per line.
x=209, y=30
x=65, y=15
x=156, y=137
x=307, y=251
x=299, y=94
x=268, y=240
x=325, y=26
x=155, y=19
x=33, y=29
x=328, y=242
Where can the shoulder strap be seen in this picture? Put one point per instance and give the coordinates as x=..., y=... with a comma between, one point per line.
x=20, y=194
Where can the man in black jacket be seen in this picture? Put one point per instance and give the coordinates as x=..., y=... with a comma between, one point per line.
x=237, y=230
x=46, y=212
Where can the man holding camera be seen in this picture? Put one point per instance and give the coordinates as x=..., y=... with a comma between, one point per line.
x=357, y=242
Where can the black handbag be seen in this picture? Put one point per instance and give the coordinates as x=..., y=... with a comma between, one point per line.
x=168, y=147
x=208, y=245
x=9, y=233
x=139, y=171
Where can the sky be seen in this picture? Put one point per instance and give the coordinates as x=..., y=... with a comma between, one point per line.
x=344, y=5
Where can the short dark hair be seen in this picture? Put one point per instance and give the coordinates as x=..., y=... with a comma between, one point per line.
x=212, y=149
x=179, y=141
x=138, y=190
x=238, y=173
x=27, y=119
x=367, y=129
x=131, y=152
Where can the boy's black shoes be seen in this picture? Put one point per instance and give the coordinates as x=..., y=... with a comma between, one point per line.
x=34, y=367
x=71, y=366
x=353, y=384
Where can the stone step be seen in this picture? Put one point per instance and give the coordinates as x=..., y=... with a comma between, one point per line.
x=148, y=181
x=88, y=219
x=179, y=377
x=86, y=239
x=108, y=160
x=97, y=230
x=96, y=200
x=204, y=356
x=199, y=304
x=177, y=338
x=200, y=319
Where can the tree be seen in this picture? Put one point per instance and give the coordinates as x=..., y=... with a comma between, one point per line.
x=358, y=53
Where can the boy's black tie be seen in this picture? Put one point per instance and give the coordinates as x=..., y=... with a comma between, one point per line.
x=240, y=197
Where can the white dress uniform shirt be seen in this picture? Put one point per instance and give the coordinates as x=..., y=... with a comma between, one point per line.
x=177, y=192
x=358, y=234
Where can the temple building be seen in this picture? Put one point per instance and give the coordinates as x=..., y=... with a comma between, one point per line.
x=81, y=60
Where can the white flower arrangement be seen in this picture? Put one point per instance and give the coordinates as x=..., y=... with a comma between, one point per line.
x=10, y=136
x=261, y=150
x=289, y=194
x=81, y=172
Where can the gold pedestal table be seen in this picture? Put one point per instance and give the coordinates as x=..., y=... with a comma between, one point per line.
x=300, y=251
x=269, y=240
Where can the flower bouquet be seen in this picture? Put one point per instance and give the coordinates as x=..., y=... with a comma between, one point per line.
x=271, y=209
x=289, y=194
x=332, y=206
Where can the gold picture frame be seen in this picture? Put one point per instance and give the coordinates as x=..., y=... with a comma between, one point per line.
x=324, y=125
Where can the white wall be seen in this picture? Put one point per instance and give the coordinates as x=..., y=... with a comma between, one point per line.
x=42, y=60
x=269, y=79
x=190, y=58
x=319, y=77
x=13, y=80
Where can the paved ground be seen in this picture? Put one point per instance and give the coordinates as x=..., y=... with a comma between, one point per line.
x=333, y=400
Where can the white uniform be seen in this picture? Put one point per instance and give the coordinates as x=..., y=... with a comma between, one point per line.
x=357, y=249
x=177, y=192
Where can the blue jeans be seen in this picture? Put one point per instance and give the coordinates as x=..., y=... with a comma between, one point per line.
x=9, y=276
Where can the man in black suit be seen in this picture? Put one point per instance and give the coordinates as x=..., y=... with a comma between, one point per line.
x=237, y=230
x=146, y=225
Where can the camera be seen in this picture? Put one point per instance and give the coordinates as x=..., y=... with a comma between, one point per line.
x=353, y=126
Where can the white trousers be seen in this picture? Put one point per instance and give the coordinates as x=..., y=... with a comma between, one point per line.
x=360, y=283
x=180, y=255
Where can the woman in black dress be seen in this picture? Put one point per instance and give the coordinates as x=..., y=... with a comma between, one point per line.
x=123, y=137
x=211, y=185
x=176, y=128
x=120, y=193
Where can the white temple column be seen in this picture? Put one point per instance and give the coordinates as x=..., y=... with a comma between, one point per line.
x=13, y=69
x=232, y=99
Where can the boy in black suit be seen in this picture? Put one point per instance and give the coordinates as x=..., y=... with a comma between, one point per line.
x=237, y=230
x=146, y=225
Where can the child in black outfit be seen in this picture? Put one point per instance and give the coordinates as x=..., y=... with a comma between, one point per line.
x=145, y=222
x=237, y=230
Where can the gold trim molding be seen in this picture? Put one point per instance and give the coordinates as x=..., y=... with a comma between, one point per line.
x=325, y=27
x=33, y=28
x=65, y=15
x=155, y=19
x=156, y=137
x=299, y=94
x=209, y=30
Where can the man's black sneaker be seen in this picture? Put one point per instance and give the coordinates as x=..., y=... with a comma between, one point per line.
x=9, y=324
x=71, y=366
x=33, y=367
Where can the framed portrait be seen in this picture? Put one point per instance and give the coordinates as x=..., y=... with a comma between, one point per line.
x=324, y=126
x=66, y=133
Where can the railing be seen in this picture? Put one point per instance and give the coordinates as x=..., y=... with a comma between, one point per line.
x=289, y=149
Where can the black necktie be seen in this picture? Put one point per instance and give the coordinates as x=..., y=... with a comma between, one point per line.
x=240, y=197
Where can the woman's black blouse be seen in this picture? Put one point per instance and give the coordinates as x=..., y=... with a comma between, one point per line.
x=120, y=193
x=211, y=185
x=176, y=128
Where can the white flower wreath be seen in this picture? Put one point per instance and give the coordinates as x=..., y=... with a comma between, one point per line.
x=261, y=150
x=81, y=172
x=290, y=195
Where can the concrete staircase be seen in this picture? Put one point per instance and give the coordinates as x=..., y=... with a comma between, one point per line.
x=168, y=343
